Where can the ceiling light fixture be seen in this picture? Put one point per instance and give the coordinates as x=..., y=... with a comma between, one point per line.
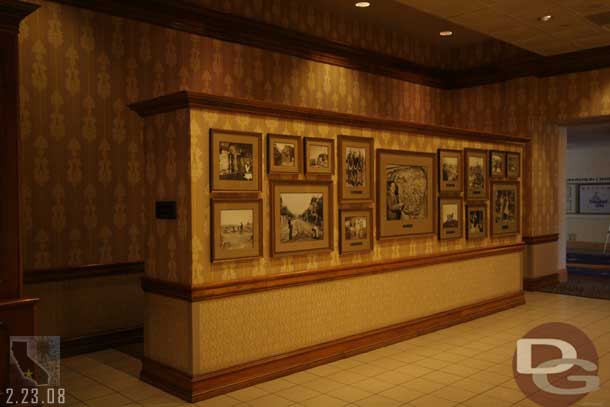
x=545, y=19
x=446, y=33
x=362, y=4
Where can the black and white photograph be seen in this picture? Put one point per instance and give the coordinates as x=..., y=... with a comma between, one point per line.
x=355, y=227
x=237, y=230
x=319, y=156
x=450, y=169
x=235, y=161
x=497, y=164
x=476, y=174
x=450, y=218
x=284, y=154
x=302, y=217
x=475, y=222
x=513, y=165
x=505, y=208
x=406, y=192
x=355, y=167
x=355, y=230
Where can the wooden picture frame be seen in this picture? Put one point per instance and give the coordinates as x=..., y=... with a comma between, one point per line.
x=513, y=165
x=235, y=161
x=301, y=217
x=505, y=216
x=450, y=218
x=352, y=237
x=314, y=157
x=450, y=171
x=402, y=175
x=236, y=229
x=497, y=164
x=284, y=154
x=475, y=174
x=476, y=222
x=356, y=164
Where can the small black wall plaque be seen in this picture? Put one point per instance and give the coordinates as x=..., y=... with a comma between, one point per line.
x=166, y=210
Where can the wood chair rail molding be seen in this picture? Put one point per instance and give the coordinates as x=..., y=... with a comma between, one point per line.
x=531, y=240
x=250, y=285
x=185, y=99
x=212, y=384
x=38, y=276
x=182, y=16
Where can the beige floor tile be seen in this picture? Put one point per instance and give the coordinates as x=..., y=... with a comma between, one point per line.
x=323, y=385
x=415, y=371
x=432, y=401
x=220, y=401
x=430, y=363
x=298, y=393
x=350, y=394
x=88, y=392
x=270, y=400
x=474, y=386
x=449, y=357
x=459, y=370
x=378, y=401
x=247, y=394
x=324, y=400
x=485, y=401
x=388, y=363
x=373, y=385
x=367, y=370
x=301, y=377
x=347, y=377
x=324, y=370
x=505, y=394
x=346, y=363
x=113, y=399
x=402, y=394
x=477, y=363
x=165, y=400
x=275, y=385
x=141, y=391
x=395, y=377
x=441, y=377
x=421, y=385
x=490, y=378
x=455, y=394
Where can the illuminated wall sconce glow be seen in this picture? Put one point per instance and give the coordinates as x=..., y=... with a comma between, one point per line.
x=446, y=33
x=362, y=4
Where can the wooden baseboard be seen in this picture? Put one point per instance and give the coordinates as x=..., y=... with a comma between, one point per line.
x=100, y=341
x=536, y=283
x=541, y=239
x=202, y=387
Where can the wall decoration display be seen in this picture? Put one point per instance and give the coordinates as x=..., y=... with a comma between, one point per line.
x=505, y=208
x=236, y=163
x=476, y=222
x=236, y=229
x=356, y=169
x=284, y=154
x=301, y=216
x=450, y=218
x=405, y=193
x=475, y=171
x=450, y=169
x=497, y=164
x=513, y=165
x=319, y=156
x=355, y=230
x=594, y=199
x=572, y=198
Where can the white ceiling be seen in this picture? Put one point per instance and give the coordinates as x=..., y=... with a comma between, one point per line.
x=516, y=21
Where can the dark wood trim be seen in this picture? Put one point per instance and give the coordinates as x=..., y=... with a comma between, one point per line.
x=251, y=285
x=531, y=240
x=185, y=99
x=585, y=121
x=12, y=12
x=89, y=271
x=197, y=388
x=100, y=341
x=536, y=283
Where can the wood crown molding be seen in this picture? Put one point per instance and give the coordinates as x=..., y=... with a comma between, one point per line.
x=13, y=11
x=536, y=283
x=197, y=388
x=185, y=99
x=251, y=285
x=188, y=17
x=89, y=271
x=531, y=240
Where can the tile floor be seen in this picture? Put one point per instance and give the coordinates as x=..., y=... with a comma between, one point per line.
x=465, y=365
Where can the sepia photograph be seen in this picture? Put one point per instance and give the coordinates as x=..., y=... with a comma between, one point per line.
x=302, y=217
x=475, y=222
x=355, y=230
x=513, y=165
x=497, y=164
x=284, y=155
x=450, y=218
x=505, y=208
x=407, y=192
x=355, y=227
x=355, y=169
x=476, y=174
x=319, y=156
x=236, y=230
x=450, y=171
x=236, y=163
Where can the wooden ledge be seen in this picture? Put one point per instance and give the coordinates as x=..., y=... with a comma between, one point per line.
x=88, y=271
x=532, y=240
x=250, y=285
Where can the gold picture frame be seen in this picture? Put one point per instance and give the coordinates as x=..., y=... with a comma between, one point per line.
x=319, y=156
x=235, y=161
x=513, y=165
x=284, y=154
x=355, y=230
x=450, y=171
x=301, y=217
x=356, y=163
x=475, y=174
x=497, y=164
x=450, y=218
x=476, y=222
x=505, y=216
x=402, y=175
x=236, y=229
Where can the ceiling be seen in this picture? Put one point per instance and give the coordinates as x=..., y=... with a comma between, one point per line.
x=593, y=135
x=576, y=24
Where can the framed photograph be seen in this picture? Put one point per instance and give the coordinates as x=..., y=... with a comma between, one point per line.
x=355, y=169
x=450, y=169
x=319, y=156
x=355, y=230
x=572, y=198
x=513, y=165
x=476, y=222
x=236, y=229
x=505, y=208
x=594, y=199
x=450, y=223
x=497, y=164
x=405, y=193
x=475, y=162
x=301, y=217
x=235, y=161
x=284, y=154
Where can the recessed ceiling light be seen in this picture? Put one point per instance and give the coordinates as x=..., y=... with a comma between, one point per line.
x=546, y=18
x=362, y=4
x=446, y=33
